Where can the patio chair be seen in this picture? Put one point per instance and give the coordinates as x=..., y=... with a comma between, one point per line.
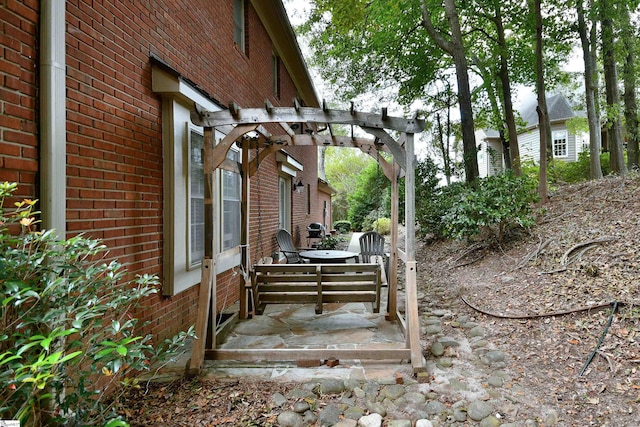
x=285, y=242
x=371, y=247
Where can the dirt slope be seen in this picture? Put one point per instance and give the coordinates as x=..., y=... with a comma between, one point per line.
x=583, y=253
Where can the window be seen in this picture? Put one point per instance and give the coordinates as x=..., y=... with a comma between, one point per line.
x=284, y=202
x=184, y=187
x=231, y=205
x=196, y=198
x=238, y=24
x=275, y=69
x=230, y=190
x=560, y=143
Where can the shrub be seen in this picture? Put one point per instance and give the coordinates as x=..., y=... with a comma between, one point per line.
x=66, y=331
x=330, y=242
x=369, y=221
x=371, y=195
x=382, y=225
x=560, y=172
x=342, y=226
x=498, y=204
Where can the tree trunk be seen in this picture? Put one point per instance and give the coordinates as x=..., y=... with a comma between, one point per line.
x=591, y=89
x=611, y=89
x=543, y=116
x=503, y=73
x=630, y=103
x=444, y=150
x=455, y=48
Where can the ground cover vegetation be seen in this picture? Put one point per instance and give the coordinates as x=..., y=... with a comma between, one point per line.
x=69, y=341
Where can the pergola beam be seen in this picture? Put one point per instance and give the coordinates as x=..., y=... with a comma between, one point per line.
x=241, y=116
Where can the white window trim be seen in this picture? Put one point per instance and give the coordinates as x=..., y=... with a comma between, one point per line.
x=557, y=135
x=178, y=98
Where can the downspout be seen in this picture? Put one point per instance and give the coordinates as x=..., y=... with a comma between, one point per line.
x=53, y=163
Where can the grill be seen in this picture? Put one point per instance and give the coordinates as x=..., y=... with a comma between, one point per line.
x=315, y=230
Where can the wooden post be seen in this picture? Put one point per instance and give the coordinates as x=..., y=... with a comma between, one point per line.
x=413, y=325
x=244, y=231
x=392, y=280
x=205, y=320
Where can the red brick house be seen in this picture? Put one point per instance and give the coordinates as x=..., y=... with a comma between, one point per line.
x=94, y=122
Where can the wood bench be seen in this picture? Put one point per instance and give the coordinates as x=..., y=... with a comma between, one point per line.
x=315, y=284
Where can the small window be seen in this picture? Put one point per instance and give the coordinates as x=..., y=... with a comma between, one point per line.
x=275, y=69
x=239, y=24
x=196, y=198
x=231, y=205
x=560, y=143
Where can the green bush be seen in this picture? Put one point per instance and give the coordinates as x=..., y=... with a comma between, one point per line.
x=382, y=226
x=562, y=172
x=342, y=226
x=498, y=204
x=67, y=337
x=330, y=242
x=370, y=199
x=369, y=221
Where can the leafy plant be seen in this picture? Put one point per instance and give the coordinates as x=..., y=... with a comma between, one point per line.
x=371, y=199
x=330, y=242
x=382, y=225
x=498, y=204
x=342, y=226
x=67, y=334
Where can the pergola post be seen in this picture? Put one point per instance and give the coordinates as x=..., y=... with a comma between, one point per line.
x=411, y=309
x=205, y=321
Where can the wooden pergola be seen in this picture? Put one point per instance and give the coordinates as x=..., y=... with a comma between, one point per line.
x=263, y=143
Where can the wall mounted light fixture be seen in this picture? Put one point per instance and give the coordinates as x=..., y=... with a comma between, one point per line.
x=298, y=187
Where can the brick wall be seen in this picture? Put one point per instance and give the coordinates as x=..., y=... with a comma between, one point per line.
x=114, y=142
x=18, y=91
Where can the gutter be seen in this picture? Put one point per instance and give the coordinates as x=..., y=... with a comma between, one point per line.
x=53, y=150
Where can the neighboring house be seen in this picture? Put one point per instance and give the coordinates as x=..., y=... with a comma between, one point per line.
x=95, y=123
x=566, y=146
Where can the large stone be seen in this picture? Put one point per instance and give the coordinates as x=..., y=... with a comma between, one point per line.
x=346, y=423
x=354, y=413
x=477, y=331
x=392, y=391
x=377, y=407
x=290, y=419
x=490, y=421
x=372, y=420
x=331, y=386
x=479, y=409
x=301, y=407
x=437, y=349
x=433, y=329
x=329, y=415
x=424, y=423
x=277, y=400
x=415, y=397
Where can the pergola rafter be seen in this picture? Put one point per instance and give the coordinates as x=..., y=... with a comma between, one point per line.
x=251, y=135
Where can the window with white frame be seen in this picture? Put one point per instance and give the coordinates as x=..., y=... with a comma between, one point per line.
x=231, y=205
x=560, y=143
x=184, y=185
x=230, y=194
x=196, y=197
x=238, y=24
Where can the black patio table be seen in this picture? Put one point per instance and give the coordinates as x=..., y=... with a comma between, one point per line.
x=328, y=256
